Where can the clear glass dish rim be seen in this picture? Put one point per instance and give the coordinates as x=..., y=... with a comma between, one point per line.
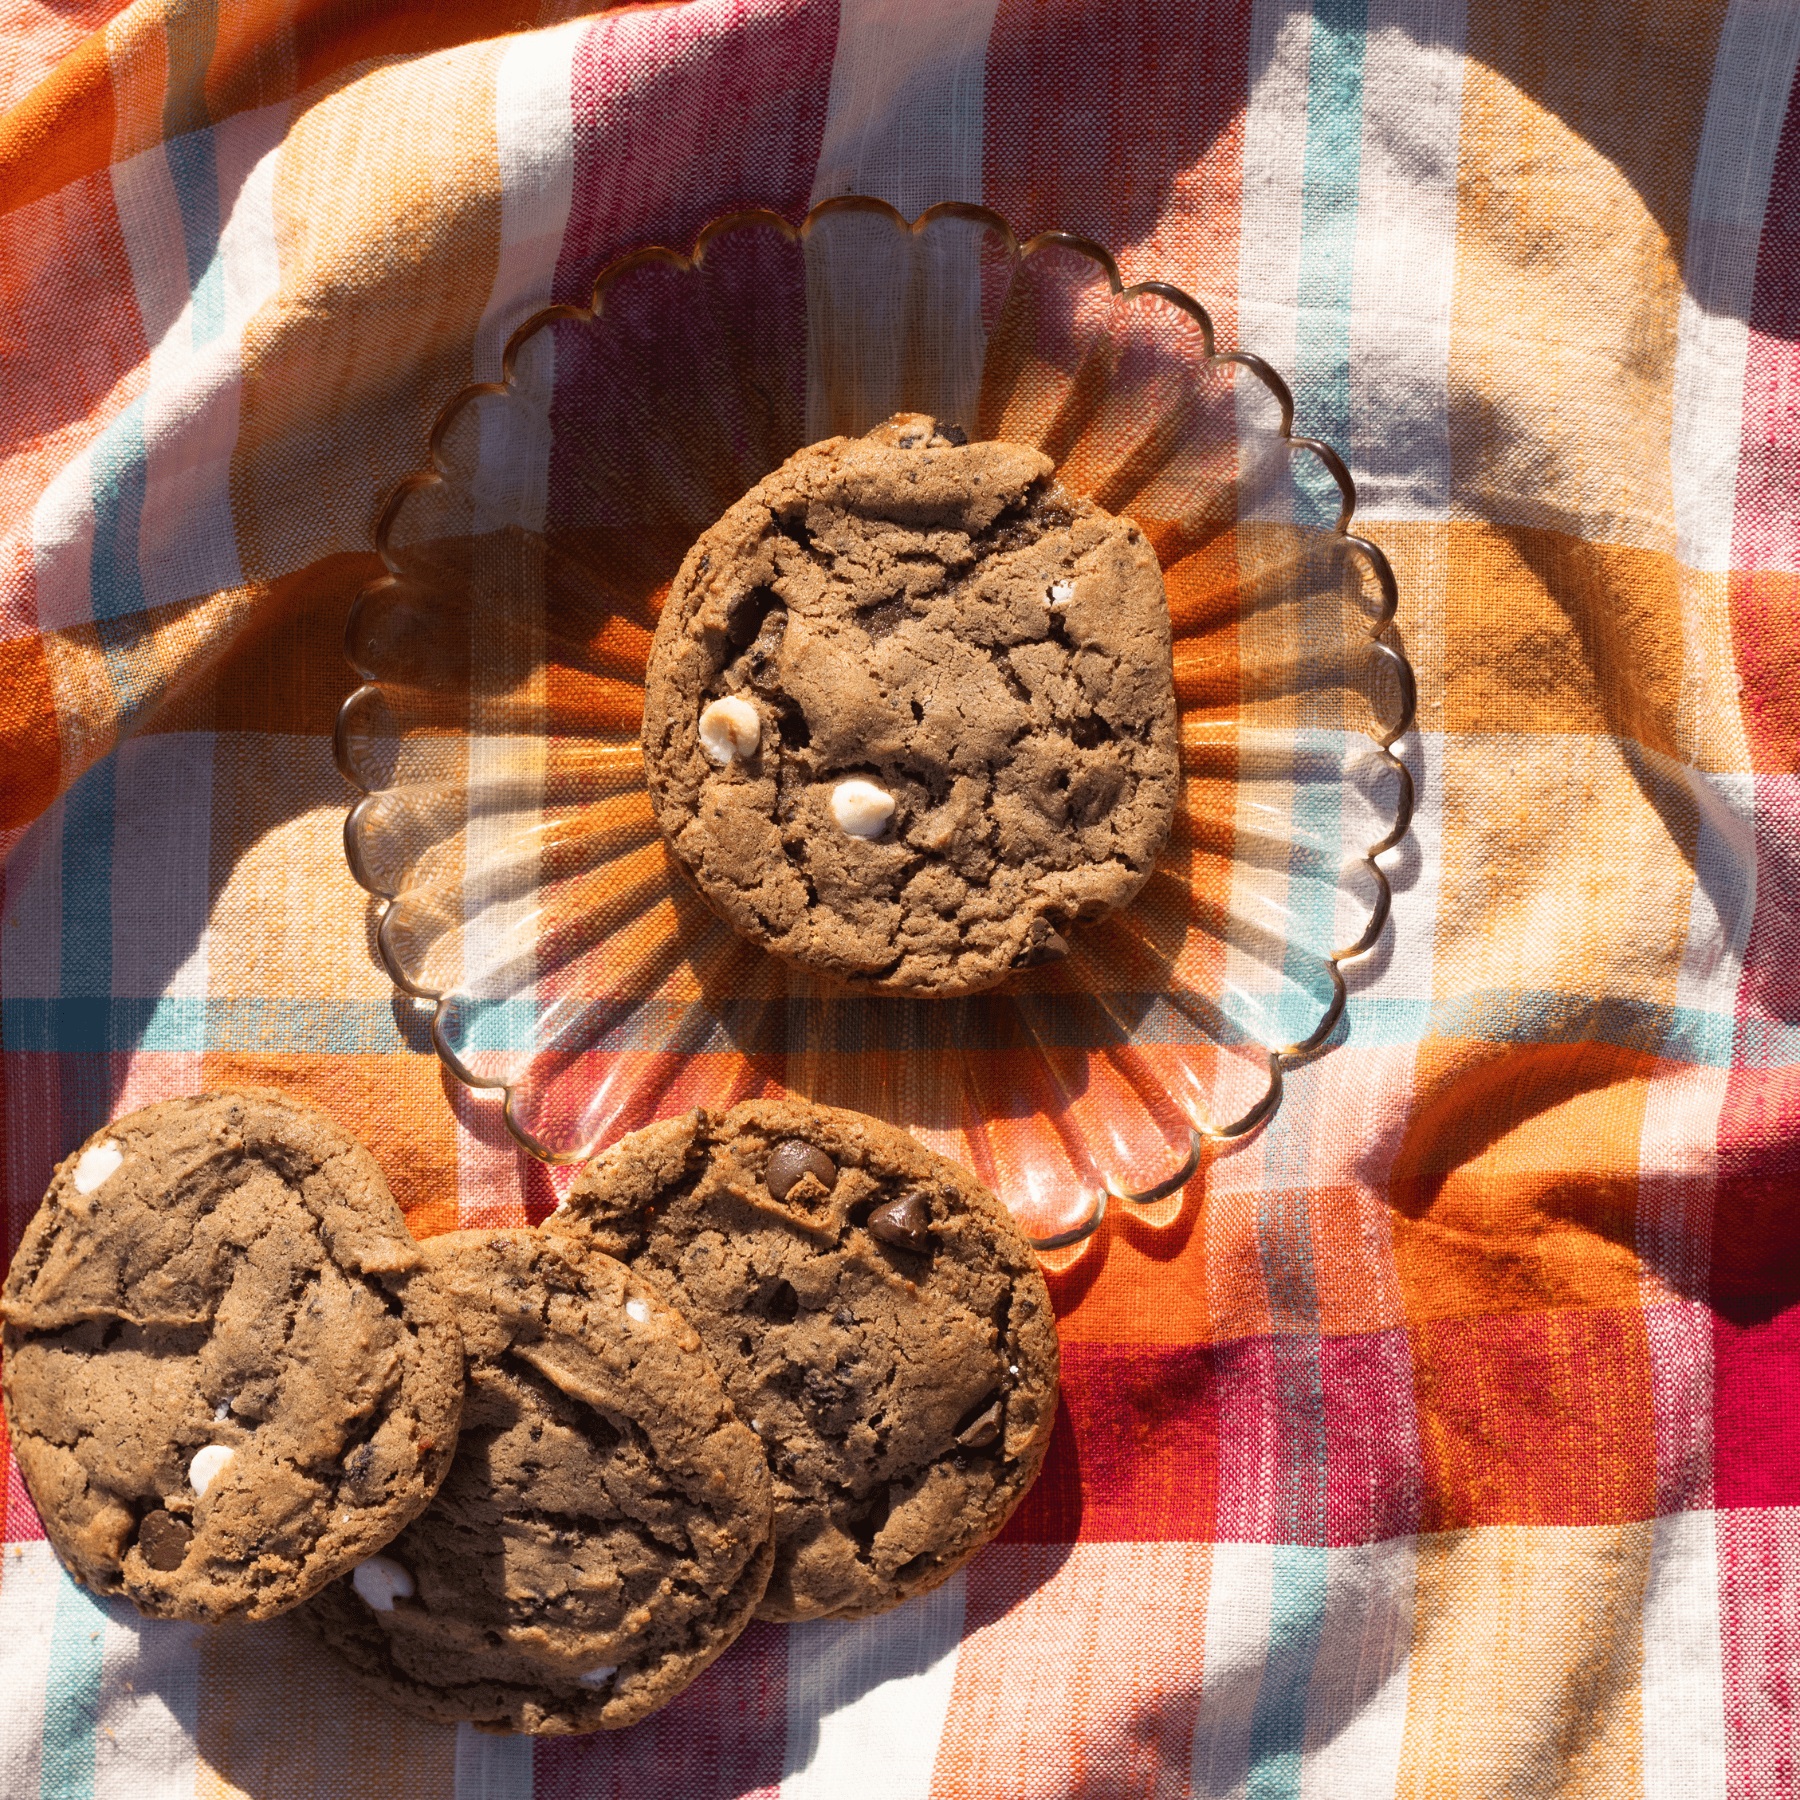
x=1381, y=733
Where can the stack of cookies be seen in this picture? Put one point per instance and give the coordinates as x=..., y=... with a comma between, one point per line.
x=780, y=1363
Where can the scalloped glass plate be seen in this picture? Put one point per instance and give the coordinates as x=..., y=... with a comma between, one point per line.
x=505, y=826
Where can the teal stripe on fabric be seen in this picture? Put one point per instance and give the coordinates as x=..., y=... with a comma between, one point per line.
x=1296, y=1624
x=277, y=1027
x=86, y=963
x=119, y=477
x=85, y=970
x=118, y=474
x=72, y=1694
x=194, y=170
x=1328, y=208
x=1673, y=1033
x=100, y=1023
x=193, y=161
x=482, y=1025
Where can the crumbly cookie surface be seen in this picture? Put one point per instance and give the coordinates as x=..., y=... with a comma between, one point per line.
x=605, y=1530
x=940, y=623
x=876, y=1316
x=224, y=1381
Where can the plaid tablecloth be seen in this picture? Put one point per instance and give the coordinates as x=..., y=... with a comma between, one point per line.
x=1451, y=1444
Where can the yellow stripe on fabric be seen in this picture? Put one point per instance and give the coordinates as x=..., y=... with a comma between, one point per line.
x=278, y=1716
x=1581, y=125
x=1527, y=1657
x=1547, y=632
x=1567, y=866
x=387, y=212
x=277, y=857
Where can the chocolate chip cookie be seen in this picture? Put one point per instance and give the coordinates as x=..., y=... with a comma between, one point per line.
x=911, y=712
x=225, y=1380
x=605, y=1530
x=877, y=1317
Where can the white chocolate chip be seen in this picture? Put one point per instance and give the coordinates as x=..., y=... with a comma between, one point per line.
x=203, y=1471
x=861, y=808
x=730, y=728
x=1061, y=593
x=636, y=1309
x=381, y=1581
x=97, y=1165
x=597, y=1677
x=222, y=1410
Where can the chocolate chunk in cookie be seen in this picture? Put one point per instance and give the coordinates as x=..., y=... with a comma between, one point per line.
x=911, y=711
x=225, y=1381
x=889, y=1337
x=604, y=1532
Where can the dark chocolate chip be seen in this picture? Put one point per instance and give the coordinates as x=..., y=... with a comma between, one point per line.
x=1043, y=943
x=954, y=433
x=904, y=1223
x=791, y=724
x=982, y=1429
x=744, y=622
x=795, y=1157
x=163, y=1541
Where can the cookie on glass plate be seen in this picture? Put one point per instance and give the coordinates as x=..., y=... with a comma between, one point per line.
x=910, y=711
x=605, y=1530
x=224, y=1381
x=878, y=1319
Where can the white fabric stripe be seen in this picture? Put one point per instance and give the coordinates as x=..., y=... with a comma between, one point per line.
x=867, y=1699
x=187, y=541
x=1753, y=72
x=1724, y=898
x=1356, y=1701
x=534, y=126
x=1677, y=1163
x=906, y=112
x=492, y=1768
x=62, y=545
x=1405, y=270
x=534, y=130
x=1237, y=1647
x=162, y=865
x=1683, y=1684
x=150, y=223
x=144, y=1747
x=534, y=142
x=29, y=1583
x=904, y=121
x=247, y=150
x=1274, y=163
